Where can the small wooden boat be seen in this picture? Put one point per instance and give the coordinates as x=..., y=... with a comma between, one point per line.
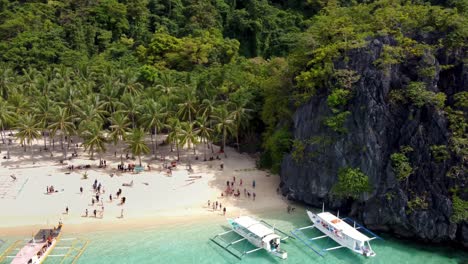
x=339, y=230
x=39, y=247
x=259, y=233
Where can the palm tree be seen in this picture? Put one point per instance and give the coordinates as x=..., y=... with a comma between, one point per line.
x=94, y=138
x=174, y=134
x=110, y=101
x=204, y=131
x=224, y=124
x=241, y=117
x=131, y=107
x=136, y=143
x=7, y=117
x=130, y=82
x=119, y=129
x=28, y=130
x=29, y=81
x=187, y=109
x=153, y=118
x=7, y=80
x=63, y=121
x=188, y=136
x=207, y=108
x=44, y=111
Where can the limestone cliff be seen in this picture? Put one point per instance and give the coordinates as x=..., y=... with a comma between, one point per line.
x=377, y=128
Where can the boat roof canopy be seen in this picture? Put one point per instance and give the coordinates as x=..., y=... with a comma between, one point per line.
x=270, y=237
x=343, y=226
x=254, y=226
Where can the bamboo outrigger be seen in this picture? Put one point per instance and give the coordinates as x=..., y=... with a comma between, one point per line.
x=343, y=231
x=259, y=233
x=39, y=247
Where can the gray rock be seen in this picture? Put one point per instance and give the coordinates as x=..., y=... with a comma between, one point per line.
x=376, y=129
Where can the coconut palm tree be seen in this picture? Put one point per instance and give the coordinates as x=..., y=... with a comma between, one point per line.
x=153, y=119
x=43, y=109
x=173, y=137
x=224, y=124
x=204, y=131
x=28, y=130
x=94, y=138
x=131, y=107
x=119, y=129
x=136, y=143
x=110, y=101
x=130, y=84
x=207, y=108
x=29, y=81
x=7, y=116
x=63, y=121
x=7, y=80
x=187, y=109
x=189, y=137
x=241, y=116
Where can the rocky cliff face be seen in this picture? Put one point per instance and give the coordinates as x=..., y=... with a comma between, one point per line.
x=376, y=129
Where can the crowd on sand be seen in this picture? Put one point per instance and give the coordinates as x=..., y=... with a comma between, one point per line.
x=233, y=189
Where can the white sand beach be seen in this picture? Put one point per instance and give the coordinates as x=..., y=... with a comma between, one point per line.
x=155, y=197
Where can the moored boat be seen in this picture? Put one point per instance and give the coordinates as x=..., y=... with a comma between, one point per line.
x=39, y=247
x=344, y=231
x=259, y=233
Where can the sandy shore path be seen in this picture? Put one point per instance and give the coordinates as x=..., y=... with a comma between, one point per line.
x=155, y=197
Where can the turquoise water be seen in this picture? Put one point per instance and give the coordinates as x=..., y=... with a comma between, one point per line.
x=189, y=243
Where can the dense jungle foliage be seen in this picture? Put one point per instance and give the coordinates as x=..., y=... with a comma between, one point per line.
x=226, y=71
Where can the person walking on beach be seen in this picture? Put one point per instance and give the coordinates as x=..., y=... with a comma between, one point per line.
x=224, y=211
x=254, y=195
x=216, y=205
x=86, y=213
x=94, y=212
x=253, y=184
x=66, y=210
x=208, y=203
x=121, y=213
x=110, y=197
x=81, y=190
x=92, y=201
x=240, y=182
x=213, y=207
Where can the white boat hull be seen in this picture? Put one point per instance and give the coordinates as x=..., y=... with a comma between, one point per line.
x=338, y=237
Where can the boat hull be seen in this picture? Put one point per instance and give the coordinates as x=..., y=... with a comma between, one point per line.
x=258, y=243
x=341, y=239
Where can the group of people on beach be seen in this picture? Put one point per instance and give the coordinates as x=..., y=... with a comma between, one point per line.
x=217, y=205
x=129, y=167
x=230, y=189
x=102, y=163
x=50, y=189
x=79, y=167
x=98, y=189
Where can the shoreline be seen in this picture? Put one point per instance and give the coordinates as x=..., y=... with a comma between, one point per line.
x=144, y=222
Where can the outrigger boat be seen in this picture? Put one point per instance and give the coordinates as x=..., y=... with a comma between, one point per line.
x=39, y=247
x=340, y=230
x=259, y=233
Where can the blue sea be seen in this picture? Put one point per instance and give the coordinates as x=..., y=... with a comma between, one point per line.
x=189, y=243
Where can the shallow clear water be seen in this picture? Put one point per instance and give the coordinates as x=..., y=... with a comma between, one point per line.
x=189, y=243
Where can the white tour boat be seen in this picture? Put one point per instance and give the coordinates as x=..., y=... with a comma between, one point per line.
x=259, y=233
x=39, y=247
x=340, y=230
